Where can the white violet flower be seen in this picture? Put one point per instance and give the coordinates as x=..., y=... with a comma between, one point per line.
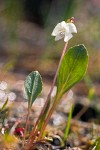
x=64, y=30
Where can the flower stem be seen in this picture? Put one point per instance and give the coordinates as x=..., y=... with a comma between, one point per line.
x=53, y=84
x=35, y=129
x=49, y=115
x=27, y=120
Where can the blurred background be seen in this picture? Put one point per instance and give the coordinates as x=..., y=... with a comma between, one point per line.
x=26, y=43
x=25, y=34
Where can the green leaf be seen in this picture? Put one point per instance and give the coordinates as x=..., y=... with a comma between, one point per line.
x=72, y=69
x=68, y=124
x=98, y=144
x=33, y=86
x=4, y=117
x=42, y=119
x=4, y=105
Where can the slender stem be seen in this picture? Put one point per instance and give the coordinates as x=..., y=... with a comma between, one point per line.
x=48, y=117
x=56, y=100
x=67, y=128
x=35, y=129
x=27, y=120
x=54, y=81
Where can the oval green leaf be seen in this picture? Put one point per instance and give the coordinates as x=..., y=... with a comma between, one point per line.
x=33, y=86
x=72, y=69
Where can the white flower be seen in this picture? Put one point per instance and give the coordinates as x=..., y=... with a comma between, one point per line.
x=64, y=30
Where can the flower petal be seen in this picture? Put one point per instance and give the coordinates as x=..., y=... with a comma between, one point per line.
x=68, y=37
x=59, y=28
x=63, y=24
x=59, y=36
x=72, y=28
